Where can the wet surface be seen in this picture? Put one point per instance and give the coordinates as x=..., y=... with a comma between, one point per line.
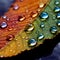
x=56, y=53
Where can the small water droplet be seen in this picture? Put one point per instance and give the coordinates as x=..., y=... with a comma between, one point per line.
x=42, y=25
x=57, y=9
x=15, y=7
x=53, y=29
x=4, y=17
x=34, y=14
x=41, y=36
x=10, y=37
x=58, y=23
x=32, y=42
x=58, y=15
x=29, y=28
x=57, y=2
x=3, y=25
x=21, y=18
x=41, y=5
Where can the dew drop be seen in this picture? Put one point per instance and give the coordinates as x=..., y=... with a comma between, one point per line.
x=53, y=29
x=16, y=7
x=29, y=28
x=34, y=14
x=3, y=25
x=58, y=23
x=57, y=9
x=58, y=15
x=42, y=25
x=57, y=2
x=41, y=36
x=32, y=42
x=41, y=5
x=21, y=18
x=4, y=17
x=44, y=15
x=10, y=37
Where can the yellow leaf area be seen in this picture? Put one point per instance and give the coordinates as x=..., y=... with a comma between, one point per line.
x=16, y=46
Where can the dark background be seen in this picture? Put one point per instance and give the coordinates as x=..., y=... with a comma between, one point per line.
x=49, y=50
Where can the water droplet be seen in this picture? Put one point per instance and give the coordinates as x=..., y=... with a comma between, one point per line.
x=3, y=25
x=21, y=0
x=7, y=19
x=41, y=5
x=21, y=18
x=32, y=42
x=53, y=29
x=4, y=17
x=58, y=15
x=44, y=15
x=58, y=23
x=57, y=2
x=42, y=25
x=57, y=9
x=29, y=28
x=10, y=37
x=41, y=36
x=15, y=7
x=34, y=14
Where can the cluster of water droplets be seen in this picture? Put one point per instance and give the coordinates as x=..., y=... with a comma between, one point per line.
x=44, y=17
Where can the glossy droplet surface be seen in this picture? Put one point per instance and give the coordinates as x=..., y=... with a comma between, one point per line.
x=21, y=18
x=29, y=28
x=15, y=7
x=34, y=14
x=41, y=5
x=41, y=36
x=10, y=37
x=32, y=42
x=58, y=23
x=4, y=17
x=53, y=29
x=42, y=25
x=57, y=2
x=44, y=15
x=58, y=15
x=57, y=9
x=3, y=25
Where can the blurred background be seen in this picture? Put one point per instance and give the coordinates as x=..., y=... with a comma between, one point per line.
x=55, y=54
x=4, y=6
